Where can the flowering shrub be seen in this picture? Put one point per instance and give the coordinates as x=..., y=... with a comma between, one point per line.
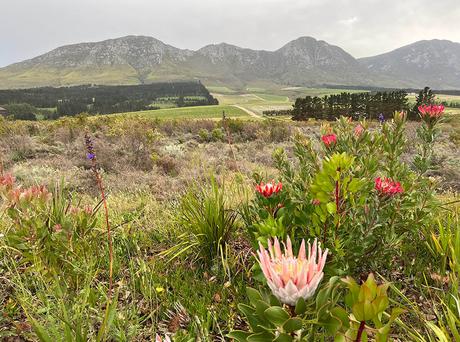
x=329, y=195
x=48, y=231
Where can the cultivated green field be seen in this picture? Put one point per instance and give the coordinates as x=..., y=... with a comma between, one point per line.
x=199, y=112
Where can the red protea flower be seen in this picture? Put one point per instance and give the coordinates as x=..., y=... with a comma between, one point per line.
x=431, y=111
x=267, y=190
x=388, y=187
x=329, y=139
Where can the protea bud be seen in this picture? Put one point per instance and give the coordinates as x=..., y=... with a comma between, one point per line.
x=267, y=190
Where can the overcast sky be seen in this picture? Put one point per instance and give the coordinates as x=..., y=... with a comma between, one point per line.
x=361, y=27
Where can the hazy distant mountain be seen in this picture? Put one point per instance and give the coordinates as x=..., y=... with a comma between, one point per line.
x=431, y=62
x=304, y=61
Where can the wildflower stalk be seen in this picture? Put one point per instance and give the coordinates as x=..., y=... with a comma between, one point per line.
x=229, y=140
x=431, y=115
x=92, y=157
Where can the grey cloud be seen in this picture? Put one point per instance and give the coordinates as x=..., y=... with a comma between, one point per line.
x=361, y=27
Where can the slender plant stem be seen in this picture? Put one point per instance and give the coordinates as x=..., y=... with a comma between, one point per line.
x=230, y=141
x=360, y=331
x=325, y=232
x=337, y=201
x=92, y=156
x=107, y=223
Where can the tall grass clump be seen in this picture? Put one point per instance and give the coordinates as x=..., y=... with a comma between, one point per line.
x=207, y=222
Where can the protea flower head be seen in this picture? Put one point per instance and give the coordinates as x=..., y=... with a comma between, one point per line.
x=359, y=129
x=267, y=190
x=36, y=193
x=388, y=187
x=290, y=277
x=329, y=139
x=6, y=182
x=431, y=111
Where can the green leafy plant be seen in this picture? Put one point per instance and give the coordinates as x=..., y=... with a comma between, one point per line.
x=368, y=304
x=50, y=232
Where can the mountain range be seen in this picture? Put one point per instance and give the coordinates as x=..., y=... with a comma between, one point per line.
x=301, y=62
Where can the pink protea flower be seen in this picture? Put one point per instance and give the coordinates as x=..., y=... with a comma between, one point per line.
x=359, y=129
x=329, y=139
x=387, y=186
x=431, y=111
x=38, y=193
x=6, y=182
x=267, y=190
x=290, y=277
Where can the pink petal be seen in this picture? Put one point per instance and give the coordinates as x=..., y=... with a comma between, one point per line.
x=302, y=253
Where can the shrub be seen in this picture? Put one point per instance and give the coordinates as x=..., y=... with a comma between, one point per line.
x=204, y=135
x=332, y=195
x=49, y=231
x=217, y=134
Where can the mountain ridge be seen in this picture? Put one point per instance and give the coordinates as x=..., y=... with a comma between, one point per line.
x=302, y=61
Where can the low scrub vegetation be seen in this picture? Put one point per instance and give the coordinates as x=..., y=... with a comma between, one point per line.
x=121, y=229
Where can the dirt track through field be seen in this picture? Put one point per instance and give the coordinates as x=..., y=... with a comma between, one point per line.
x=250, y=112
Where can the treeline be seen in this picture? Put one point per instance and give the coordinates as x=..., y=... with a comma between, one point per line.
x=383, y=89
x=357, y=105
x=24, y=111
x=452, y=104
x=69, y=101
x=277, y=112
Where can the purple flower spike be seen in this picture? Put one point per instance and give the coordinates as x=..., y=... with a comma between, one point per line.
x=90, y=155
x=381, y=118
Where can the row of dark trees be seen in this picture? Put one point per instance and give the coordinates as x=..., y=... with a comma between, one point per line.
x=70, y=101
x=368, y=105
x=357, y=105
